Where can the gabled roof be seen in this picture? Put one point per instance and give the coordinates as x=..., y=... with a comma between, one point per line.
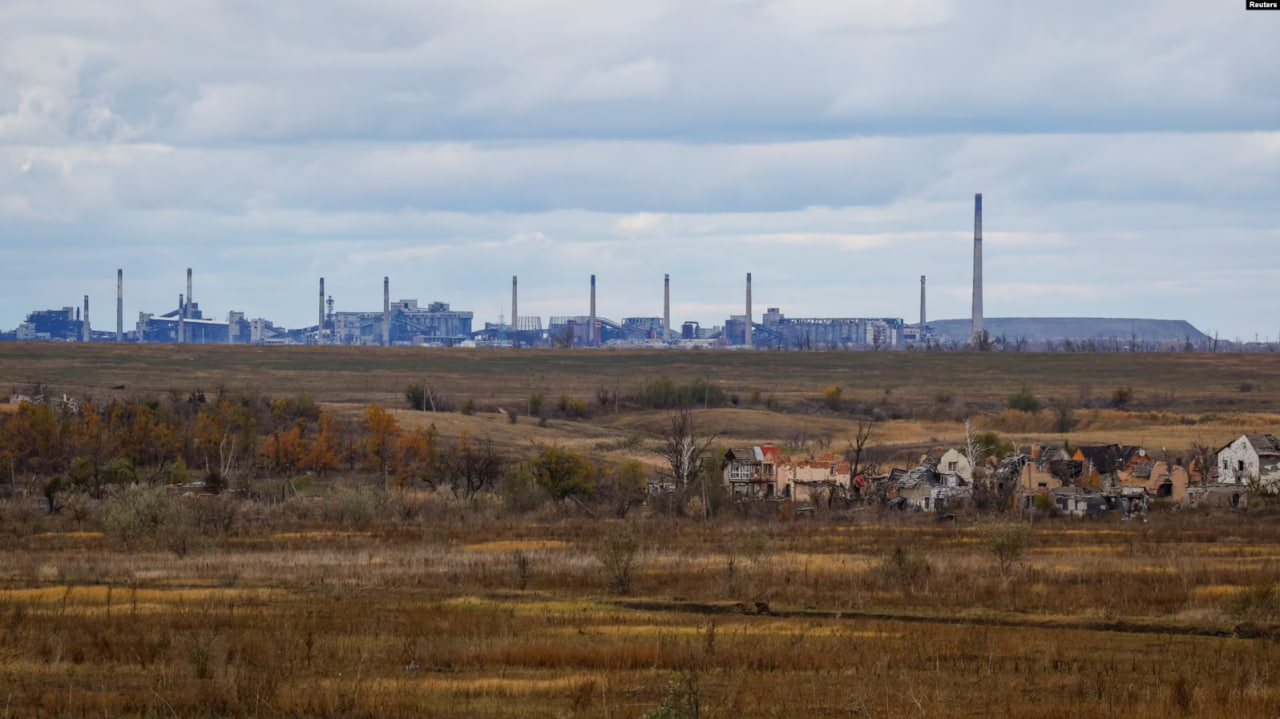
x=1264, y=444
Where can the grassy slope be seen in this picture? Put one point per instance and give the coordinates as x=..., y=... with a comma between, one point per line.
x=1181, y=382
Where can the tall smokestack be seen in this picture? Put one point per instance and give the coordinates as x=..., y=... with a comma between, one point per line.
x=386, y=311
x=190, y=297
x=977, y=265
x=515, y=338
x=666, y=308
x=86, y=318
x=921, y=301
x=120, y=305
x=747, y=335
x=591, y=323
x=182, y=311
x=320, y=325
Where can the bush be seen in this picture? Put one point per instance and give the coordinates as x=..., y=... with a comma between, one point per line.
x=831, y=396
x=1006, y=541
x=1064, y=417
x=562, y=472
x=903, y=567
x=1024, y=400
x=664, y=393
x=1121, y=396
x=617, y=553
x=142, y=516
x=1258, y=602
x=524, y=568
x=135, y=516
x=416, y=396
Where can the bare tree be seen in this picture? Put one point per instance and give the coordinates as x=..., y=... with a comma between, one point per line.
x=860, y=456
x=683, y=451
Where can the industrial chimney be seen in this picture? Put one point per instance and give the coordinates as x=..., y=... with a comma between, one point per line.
x=515, y=327
x=386, y=311
x=666, y=308
x=320, y=324
x=747, y=326
x=922, y=302
x=85, y=325
x=977, y=266
x=120, y=305
x=182, y=311
x=591, y=323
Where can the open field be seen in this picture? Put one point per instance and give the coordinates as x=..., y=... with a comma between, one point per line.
x=332, y=596
x=1175, y=382
x=922, y=398
x=426, y=618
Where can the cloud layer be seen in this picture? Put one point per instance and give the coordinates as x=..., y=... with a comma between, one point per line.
x=1127, y=151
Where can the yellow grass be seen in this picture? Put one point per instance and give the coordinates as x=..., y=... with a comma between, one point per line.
x=513, y=545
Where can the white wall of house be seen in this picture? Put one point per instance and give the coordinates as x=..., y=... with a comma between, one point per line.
x=1239, y=461
x=955, y=462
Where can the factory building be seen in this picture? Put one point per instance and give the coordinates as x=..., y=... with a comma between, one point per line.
x=778, y=330
x=436, y=324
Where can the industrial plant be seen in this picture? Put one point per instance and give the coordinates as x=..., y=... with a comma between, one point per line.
x=406, y=322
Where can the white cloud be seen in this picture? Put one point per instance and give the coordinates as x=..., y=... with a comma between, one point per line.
x=642, y=78
x=451, y=145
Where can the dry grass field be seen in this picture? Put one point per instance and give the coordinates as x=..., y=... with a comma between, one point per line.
x=337, y=601
x=1188, y=383
x=922, y=397
x=426, y=617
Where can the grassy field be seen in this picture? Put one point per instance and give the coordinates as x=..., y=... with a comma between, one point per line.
x=922, y=398
x=428, y=618
x=969, y=382
x=333, y=601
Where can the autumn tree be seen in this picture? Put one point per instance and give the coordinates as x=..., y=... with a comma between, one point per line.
x=382, y=430
x=469, y=467
x=563, y=473
x=418, y=454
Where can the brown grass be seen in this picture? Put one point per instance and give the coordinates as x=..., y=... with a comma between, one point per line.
x=409, y=619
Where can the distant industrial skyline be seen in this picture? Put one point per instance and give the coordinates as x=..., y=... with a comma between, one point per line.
x=1127, y=155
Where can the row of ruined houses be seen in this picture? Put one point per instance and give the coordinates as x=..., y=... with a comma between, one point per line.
x=1085, y=481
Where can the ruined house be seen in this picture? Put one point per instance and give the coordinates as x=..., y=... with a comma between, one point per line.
x=1081, y=503
x=955, y=462
x=1103, y=465
x=764, y=472
x=1251, y=457
x=752, y=472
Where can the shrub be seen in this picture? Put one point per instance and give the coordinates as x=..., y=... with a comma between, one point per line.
x=1121, y=396
x=1024, y=400
x=1006, y=541
x=562, y=472
x=665, y=393
x=1259, y=602
x=524, y=568
x=135, y=516
x=1246, y=387
x=536, y=402
x=416, y=396
x=1064, y=418
x=903, y=567
x=831, y=396
x=469, y=406
x=617, y=554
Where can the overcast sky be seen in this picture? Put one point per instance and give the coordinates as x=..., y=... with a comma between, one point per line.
x=1128, y=153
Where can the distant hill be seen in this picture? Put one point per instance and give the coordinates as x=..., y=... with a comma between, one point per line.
x=1039, y=329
